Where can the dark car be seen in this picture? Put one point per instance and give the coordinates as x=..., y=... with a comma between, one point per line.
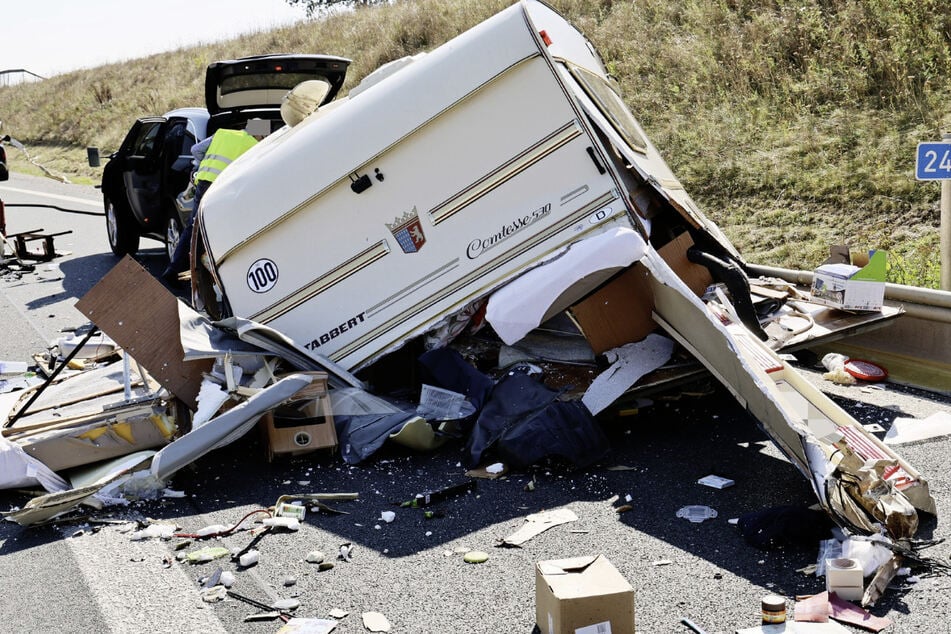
x=4, y=173
x=143, y=179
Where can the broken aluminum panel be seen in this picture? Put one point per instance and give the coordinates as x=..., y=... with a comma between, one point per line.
x=226, y=427
x=86, y=439
x=46, y=507
x=827, y=445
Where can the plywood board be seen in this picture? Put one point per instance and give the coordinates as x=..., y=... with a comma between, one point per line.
x=141, y=315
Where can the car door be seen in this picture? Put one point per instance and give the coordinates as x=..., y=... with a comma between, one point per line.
x=142, y=175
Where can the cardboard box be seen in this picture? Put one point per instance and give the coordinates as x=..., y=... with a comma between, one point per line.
x=582, y=595
x=842, y=284
x=621, y=311
x=304, y=424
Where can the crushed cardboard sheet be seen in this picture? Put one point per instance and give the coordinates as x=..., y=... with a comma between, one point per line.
x=538, y=523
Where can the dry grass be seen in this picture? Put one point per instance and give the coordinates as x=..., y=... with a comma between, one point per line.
x=792, y=122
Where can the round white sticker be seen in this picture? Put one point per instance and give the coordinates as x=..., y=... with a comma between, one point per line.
x=262, y=275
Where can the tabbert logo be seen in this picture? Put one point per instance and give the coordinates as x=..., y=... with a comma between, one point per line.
x=408, y=231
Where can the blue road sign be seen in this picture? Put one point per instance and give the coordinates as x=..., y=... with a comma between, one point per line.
x=933, y=161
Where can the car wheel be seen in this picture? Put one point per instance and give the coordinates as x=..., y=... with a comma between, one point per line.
x=173, y=233
x=123, y=239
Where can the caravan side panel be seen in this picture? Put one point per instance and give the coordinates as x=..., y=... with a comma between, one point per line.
x=468, y=200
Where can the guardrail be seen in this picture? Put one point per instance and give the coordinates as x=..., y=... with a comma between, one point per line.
x=915, y=348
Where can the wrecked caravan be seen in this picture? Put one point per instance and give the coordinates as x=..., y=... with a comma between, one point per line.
x=482, y=167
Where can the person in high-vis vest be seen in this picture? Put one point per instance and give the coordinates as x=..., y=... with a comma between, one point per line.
x=220, y=150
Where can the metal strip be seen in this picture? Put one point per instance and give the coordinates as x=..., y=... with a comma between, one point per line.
x=322, y=283
x=489, y=267
x=426, y=279
x=508, y=170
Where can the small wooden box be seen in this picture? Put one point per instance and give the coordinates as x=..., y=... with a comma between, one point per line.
x=304, y=424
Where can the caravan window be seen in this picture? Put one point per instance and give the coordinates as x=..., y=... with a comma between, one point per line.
x=609, y=102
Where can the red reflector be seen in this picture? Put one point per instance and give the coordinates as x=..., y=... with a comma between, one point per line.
x=278, y=68
x=545, y=38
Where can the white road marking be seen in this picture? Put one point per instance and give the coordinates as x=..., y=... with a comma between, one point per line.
x=134, y=590
x=70, y=199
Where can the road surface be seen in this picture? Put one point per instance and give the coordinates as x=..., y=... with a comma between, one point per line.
x=83, y=577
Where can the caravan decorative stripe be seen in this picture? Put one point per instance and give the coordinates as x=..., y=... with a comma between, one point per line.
x=322, y=283
x=483, y=272
x=508, y=170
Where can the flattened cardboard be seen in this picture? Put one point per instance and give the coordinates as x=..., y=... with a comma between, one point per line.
x=582, y=594
x=139, y=314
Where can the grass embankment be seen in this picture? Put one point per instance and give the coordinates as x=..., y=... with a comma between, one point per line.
x=793, y=123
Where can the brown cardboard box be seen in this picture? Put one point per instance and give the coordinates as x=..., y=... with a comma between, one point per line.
x=582, y=595
x=304, y=424
x=620, y=312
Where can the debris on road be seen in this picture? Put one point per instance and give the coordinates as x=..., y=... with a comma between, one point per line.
x=525, y=290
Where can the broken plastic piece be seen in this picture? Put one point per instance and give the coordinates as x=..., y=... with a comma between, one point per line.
x=537, y=523
x=209, y=553
x=162, y=531
x=865, y=370
x=696, y=513
x=715, y=481
x=315, y=557
x=908, y=430
x=284, y=605
x=346, y=551
x=475, y=557
x=212, y=529
x=287, y=523
x=375, y=622
x=249, y=558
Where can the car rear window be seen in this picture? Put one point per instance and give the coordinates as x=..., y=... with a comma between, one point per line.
x=263, y=81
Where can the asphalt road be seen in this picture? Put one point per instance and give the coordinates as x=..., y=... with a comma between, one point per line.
x=80, y=576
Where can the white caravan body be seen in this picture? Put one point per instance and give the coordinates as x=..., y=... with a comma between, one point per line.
x=472, y=162
x=445, y=177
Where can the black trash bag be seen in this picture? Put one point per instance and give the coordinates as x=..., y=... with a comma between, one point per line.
x=564, y=429
x=445, y=368
x=524, y=422
x=783, y=526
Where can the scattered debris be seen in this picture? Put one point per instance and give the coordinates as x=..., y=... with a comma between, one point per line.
x=375, y=622
x=835, y=364
x=345, y=552
x=206, y=554
x=909, y=430
x=696, y=513
x=475, y=557
x=538, y=523
x=716, y=482
x=298, y=625
x=315, y=557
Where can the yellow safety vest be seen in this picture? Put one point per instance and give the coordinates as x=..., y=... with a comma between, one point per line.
x=225, y=147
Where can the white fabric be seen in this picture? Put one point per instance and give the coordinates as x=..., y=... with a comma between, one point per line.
x=19, y=469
